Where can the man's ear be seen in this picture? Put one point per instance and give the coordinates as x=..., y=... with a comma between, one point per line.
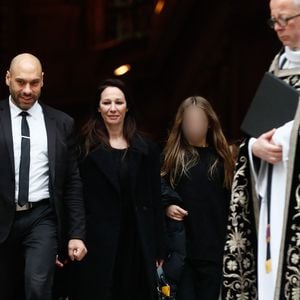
x=42, y=83
x=7, y=78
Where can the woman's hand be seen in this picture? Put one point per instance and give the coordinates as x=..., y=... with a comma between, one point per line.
x=76, y=249
x=175, y=212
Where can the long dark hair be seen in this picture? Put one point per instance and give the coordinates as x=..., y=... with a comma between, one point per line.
x=94, y=132
x=180, y=156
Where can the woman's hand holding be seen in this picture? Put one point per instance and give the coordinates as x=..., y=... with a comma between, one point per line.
x=175, y=212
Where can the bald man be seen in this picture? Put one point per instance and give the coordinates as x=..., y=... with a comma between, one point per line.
x=41, y=206
x=262, y=256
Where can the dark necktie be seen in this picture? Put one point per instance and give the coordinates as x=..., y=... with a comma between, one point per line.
x=25, y=161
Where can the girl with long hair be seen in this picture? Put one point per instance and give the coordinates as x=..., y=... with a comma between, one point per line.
x=198, y=165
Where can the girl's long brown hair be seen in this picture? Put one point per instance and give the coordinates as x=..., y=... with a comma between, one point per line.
x=179, y=156
x=94, y=132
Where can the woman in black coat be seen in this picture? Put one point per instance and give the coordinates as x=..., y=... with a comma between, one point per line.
x=121, y=179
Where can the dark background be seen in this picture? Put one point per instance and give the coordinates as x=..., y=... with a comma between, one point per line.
x=217, y=49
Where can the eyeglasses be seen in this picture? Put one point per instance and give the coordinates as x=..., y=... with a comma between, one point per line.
x=281, y=21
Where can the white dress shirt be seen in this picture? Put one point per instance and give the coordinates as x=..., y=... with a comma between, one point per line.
x=39, y=163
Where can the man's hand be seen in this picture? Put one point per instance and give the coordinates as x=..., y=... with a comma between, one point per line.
x=60, y=263
x=175, y=212
x=76, y=249
x=266, y=150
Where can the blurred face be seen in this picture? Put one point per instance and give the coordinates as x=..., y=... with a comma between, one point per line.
x=113, y=106
x=289, y=34
x=195, y=125
x=25, y=80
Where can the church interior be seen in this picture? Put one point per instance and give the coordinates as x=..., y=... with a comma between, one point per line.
x=165, y=50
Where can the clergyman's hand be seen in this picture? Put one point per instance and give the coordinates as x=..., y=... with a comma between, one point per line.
x=266, y=150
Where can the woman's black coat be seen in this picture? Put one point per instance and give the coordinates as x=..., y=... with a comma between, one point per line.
x=103, y=208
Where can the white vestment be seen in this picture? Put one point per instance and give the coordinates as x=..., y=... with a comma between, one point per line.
x=267, y=281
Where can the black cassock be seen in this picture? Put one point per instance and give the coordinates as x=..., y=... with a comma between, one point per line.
x=240, y=256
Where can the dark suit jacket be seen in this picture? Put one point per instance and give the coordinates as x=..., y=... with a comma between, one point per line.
x=64, y=181
x=103, y=208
